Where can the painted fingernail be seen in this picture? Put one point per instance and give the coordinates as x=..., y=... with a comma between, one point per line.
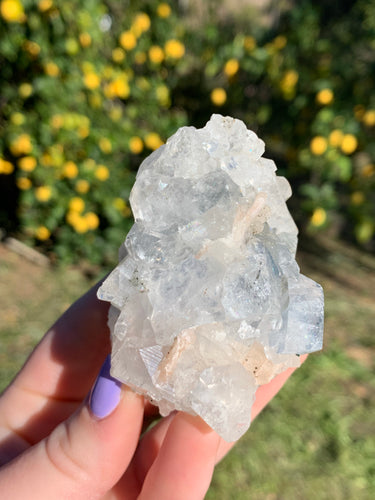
x=105, y=395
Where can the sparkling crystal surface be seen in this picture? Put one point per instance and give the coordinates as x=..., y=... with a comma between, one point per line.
x=207, y=301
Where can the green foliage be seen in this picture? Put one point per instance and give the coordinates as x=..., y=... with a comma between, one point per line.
x=84, y=93
x=306, y=85
x=88, y=90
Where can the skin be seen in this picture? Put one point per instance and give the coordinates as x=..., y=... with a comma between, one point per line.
x=52, y=446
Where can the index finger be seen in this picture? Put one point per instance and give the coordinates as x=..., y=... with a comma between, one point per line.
x=67, y=359
x=60, y=371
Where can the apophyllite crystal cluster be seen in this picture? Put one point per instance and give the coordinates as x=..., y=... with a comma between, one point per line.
x=207, y=301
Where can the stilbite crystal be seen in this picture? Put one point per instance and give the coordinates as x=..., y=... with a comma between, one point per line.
x=207, y=301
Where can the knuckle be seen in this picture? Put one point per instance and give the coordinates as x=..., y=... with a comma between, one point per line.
x=64, y=458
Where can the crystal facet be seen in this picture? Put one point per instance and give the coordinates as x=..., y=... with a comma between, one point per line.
x=207, y=302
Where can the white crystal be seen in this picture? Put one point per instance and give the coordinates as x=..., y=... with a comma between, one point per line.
x=208, y=302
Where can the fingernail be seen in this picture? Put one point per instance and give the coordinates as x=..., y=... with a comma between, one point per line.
x=105, y=395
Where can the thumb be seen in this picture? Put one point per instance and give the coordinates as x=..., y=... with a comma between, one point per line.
x=84, y=456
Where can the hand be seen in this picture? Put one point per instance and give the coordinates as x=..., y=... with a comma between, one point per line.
x=56, y=442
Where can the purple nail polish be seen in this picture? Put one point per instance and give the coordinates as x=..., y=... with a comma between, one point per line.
x=105, y=394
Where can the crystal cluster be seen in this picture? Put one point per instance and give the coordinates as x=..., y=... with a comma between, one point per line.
x=207, y=301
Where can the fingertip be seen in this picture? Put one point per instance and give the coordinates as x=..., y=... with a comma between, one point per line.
x=184, y=466
x=106, y=393
x=195, y=421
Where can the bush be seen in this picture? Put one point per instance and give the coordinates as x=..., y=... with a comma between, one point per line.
x=88, y=91
x=85, y=92
x=307, y=87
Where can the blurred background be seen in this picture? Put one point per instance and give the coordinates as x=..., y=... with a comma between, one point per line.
x=87, y=90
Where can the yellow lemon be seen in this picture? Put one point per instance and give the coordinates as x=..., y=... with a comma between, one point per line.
x=6, y=167
x=118, y=54
x=349, y=144
x=82, y=186
x=218, y=96
x=119, y=88
x=231, y=67
x=289, y=80
x=92, y=220
x=12, y=11
x=46, y=160
x=85, y=39
x=162, y=95
x=21, y=145
x=23, y=183
x=27, y=163
x=140, y=24
x=79, y=224
x=91, y=81
x=174, y=49
x=70, y=170
x=318, y=217
x=364, y=231
x=324, y=96
x=369, y=118
x=153, y=140
x=57, y=121
x=17, y=118
x=45, y=5
x=76, y=205
x=140, y=57
x=87, y=67
x=335, y=138
x=51, y=69
x=163, y=10
x=25, y=90
x=156, y=54
x=119, y=203
x=318, y=145
x=43, y=193
x=105, y=145
x=128, y=40
x=42, y=233
x=83, y=132
x=71, y=46
x=31, y=47
x=101, y=172
x=135, y=145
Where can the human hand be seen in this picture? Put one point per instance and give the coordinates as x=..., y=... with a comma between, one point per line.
x=56, y=442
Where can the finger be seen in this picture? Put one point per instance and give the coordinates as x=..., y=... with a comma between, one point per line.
x=71, y=352
x=84, y=456
x=263, y=396
x=150, y=444
x=59, y=372
x=184, y=465
x=145, y=455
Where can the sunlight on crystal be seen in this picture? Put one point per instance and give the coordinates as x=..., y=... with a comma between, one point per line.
x=208, y=302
